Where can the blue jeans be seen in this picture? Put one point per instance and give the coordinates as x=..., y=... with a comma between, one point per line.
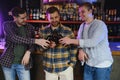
x=93, y=73
x=10, y=73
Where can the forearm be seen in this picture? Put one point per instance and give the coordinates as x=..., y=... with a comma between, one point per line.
x=74, y=41
x=36, y=41
x=13, y=37
x=20, y=40
x=28, y=52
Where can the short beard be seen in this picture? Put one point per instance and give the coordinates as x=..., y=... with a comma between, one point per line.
x=56, y=25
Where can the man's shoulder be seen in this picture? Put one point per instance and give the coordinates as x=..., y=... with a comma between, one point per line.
x=9, y=22
x=97, y=21
x=29, y=25
x=45, y=29
x=66, y=27
x=98, y=24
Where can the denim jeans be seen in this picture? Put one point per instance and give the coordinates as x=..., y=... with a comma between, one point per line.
x=93, y=73
x=10, y=73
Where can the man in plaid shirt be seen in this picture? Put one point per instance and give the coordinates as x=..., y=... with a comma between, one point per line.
x=19, y=38
x=58, y=60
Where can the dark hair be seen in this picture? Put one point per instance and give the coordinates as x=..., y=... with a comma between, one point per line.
x=16, y=11
x=87, y=5
x=52, y=9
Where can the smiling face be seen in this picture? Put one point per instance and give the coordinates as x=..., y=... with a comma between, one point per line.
x=85, y=13
x=21, y=19
x=54, y=18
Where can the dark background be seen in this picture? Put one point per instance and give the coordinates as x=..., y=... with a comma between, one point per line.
x=6, y=5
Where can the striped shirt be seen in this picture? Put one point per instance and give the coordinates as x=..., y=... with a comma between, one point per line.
x=59, y=58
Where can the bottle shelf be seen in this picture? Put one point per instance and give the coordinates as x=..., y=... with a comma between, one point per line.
x=117, y=37
x=69, y=22
x=73, y=22
x=58, y=1
x=37, y=21
x=45, y=21
x=112, y=22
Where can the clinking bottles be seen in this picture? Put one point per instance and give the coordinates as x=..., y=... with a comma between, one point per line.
x=55, y=36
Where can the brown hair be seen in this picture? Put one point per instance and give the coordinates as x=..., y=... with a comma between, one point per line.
x=87, y=5
x=52, y=10
x=16, y=11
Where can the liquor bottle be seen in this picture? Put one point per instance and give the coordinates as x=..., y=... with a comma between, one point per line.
x=106, y=15
x=37, y=14
x=31, y=14
x=28, y=13
x=43, y=15
x=112, y=15
x=40, y=14
x=55, y=36
x=37, y=36
x=75, y=29
x=115, y=14
x=34, y=14
x=109, y=13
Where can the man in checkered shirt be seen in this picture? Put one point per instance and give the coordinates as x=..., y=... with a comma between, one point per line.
x=19, y=38
x=58, y=60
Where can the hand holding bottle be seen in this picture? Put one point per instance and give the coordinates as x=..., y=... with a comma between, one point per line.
x=42, y=42
x=82, y=56
x=52, y=44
